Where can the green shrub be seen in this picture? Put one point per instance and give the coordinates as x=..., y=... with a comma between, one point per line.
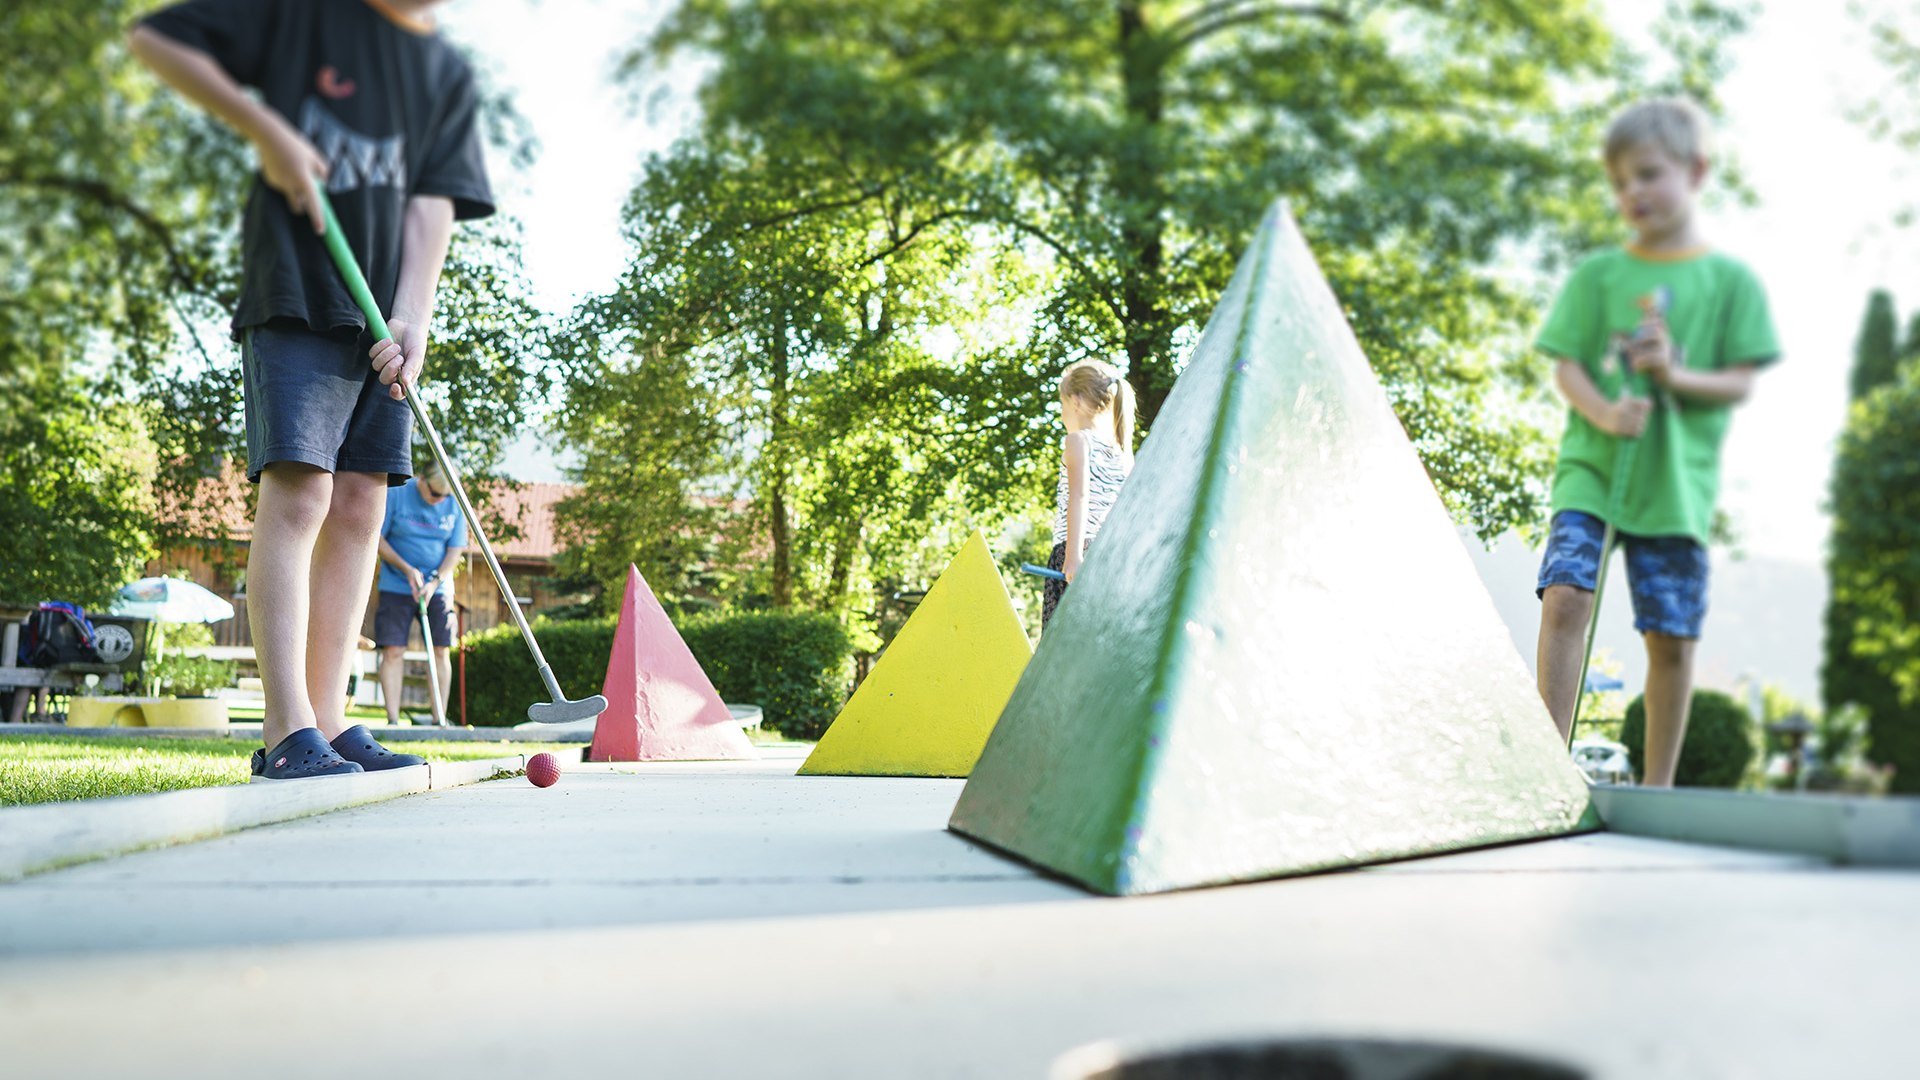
x=795, y=666
x=1721, y=740
x=189, y=676
x=175, y=635
x=502, y=682
x=1872, y=652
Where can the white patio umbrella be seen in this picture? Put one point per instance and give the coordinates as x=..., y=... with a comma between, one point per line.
x=170, y=600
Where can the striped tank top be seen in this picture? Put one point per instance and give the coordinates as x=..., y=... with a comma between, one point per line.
x=1107, y=470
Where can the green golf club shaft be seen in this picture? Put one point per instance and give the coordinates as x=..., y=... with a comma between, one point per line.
x=1623, y=456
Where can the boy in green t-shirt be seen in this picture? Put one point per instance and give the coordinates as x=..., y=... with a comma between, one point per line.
x=1655, y=342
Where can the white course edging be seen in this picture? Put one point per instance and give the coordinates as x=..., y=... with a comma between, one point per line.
x=1855, y=830
x=47, y=836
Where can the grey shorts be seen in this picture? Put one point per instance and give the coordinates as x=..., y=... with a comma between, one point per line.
x=315, y=398
x=398, y=613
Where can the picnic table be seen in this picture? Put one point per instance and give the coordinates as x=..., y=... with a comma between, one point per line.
x=20, y=685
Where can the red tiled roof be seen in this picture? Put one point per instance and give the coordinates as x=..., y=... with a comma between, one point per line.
x=530, y=508
x=217, y=509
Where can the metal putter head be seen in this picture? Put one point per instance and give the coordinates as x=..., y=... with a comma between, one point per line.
x=562, y=708
x=561, y=711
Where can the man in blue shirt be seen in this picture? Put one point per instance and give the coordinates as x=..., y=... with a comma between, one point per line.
x=421, y=541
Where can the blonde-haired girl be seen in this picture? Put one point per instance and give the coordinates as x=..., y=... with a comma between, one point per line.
x=1096, y=456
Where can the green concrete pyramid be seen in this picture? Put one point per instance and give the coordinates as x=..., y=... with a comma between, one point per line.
x=1278, y=659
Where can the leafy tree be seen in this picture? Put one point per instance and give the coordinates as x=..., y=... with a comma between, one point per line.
x=648, y=434
x=1888, y=106
x=115, y=202
x=76, y=497
x=1874, y=571
x=114, y=196
x=815, y=338
x=1128, y=147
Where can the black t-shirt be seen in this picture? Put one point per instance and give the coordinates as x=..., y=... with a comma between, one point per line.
x=390, y=106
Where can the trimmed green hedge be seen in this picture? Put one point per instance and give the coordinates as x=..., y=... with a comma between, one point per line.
x=502, y=682
x=795, y=666
x=1722, y=740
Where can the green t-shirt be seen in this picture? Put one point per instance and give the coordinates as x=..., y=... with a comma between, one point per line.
x=1669, y=477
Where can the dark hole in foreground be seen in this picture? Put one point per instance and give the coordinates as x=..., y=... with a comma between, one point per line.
x=1334, y=1059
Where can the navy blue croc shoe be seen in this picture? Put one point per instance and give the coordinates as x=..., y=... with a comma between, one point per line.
x=356, y=744
x=299, y=756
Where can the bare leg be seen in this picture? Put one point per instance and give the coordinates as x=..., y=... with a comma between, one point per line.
x=293, y=505
x=1669, y=697
x=344, y=557
x=23, y=699
x=1564, y=612
x=393, y=679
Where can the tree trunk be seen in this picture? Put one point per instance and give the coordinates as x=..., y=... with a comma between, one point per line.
x=1137, y=182
x=782, y=587
x=844, y=547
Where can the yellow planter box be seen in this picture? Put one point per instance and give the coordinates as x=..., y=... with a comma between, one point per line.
x=207, y=713
x=107, y=711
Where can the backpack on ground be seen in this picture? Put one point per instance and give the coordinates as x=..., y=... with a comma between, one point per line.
x=57, y=633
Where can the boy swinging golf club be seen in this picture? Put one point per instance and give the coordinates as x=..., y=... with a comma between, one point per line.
x=369, y=103
x=1641, y=472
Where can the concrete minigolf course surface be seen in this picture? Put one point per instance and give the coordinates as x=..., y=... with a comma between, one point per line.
x=731, y=919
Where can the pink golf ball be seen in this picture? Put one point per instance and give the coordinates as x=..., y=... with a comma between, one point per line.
x=543, y=770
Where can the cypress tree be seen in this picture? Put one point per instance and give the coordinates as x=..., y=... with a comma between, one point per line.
x=1846, y=677
x=1875, y=351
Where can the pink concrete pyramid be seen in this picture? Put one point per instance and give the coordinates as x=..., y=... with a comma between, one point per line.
x=660, y=705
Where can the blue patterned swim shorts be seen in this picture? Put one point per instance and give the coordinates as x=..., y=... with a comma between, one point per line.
x=1667, y=574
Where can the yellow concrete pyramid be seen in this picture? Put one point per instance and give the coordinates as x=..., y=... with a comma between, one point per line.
x=927, y=707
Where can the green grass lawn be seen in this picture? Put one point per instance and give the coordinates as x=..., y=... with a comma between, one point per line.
x=55, y=768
